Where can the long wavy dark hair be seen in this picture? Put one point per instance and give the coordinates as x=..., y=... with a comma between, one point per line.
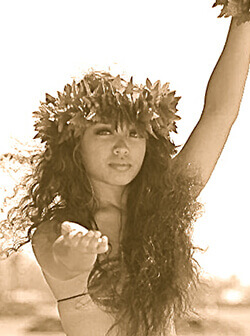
x=152, y=276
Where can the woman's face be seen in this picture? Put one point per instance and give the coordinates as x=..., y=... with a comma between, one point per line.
x=110, y=156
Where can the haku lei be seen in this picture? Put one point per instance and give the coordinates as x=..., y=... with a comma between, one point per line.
x=100, y=97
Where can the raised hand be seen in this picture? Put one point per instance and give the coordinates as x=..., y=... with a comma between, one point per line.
x=77, y=247
x=239, y=9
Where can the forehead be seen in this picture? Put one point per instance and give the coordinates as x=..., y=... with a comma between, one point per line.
x=118, y=127
x=93, y=127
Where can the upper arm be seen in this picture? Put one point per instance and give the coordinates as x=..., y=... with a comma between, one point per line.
x=205, y=144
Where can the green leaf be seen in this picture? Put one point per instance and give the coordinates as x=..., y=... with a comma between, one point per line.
x=82, y=90
x=87, y=87
x=156, y=85
x=165, y=88
x=37, y=114
x=78, y=120
x=49, y=98
x=98, y=90
x=148, y=83
x=62, y=121
x=87, y=101
x=74, y=89
x=67, y=90
x=64, y=136
x=117, y=83
x=130, y=86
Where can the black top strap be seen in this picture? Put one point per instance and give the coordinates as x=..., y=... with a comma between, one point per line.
x=72, y=297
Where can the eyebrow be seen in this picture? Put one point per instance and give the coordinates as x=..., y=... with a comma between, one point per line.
x=129, y=127
x=102, y=125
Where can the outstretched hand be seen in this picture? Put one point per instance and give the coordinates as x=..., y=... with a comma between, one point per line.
x=77, y=247
x=79, y=238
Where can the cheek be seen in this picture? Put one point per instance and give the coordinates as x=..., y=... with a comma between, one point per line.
x=94, y=157
x=142, y=150
x=88, y=155
x=89, y=158
x=139, y=154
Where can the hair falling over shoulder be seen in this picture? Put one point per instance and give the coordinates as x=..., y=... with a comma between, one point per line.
x=153, y=275
x=156, y=262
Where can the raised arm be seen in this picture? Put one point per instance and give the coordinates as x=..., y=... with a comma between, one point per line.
x=222, y=102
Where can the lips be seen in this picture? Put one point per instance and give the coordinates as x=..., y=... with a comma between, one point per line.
x=120, y=166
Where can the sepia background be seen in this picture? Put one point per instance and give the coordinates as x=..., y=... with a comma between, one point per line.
x=47, y=43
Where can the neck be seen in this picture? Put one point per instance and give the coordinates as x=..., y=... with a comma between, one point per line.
x=110, y=195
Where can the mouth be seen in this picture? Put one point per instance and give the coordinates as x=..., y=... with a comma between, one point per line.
x=120, y=166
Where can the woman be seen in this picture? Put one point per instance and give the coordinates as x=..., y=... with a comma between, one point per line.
x=112, y=204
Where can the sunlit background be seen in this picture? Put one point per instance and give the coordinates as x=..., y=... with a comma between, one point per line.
x=46, y=43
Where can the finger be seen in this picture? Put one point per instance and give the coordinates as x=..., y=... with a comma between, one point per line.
x=70, y=238
x=74, y=238
x=102, y=245
x=92, y=245
x=84, y=241
x=65, y=238
x=67, y=227
x=91, y=235
x=98, y=234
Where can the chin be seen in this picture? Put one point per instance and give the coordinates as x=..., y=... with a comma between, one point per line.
x=121, y=180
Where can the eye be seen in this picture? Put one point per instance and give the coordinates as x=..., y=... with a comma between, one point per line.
x=134, y=134
x=104, y=131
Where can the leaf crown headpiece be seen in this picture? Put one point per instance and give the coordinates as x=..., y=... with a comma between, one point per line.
x=100, y=97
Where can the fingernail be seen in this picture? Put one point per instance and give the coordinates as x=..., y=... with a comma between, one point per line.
x=104, y=239
x=65, y=227
x=98, y=234
x=91, y=234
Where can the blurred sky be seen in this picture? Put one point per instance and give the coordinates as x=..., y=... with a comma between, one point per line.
x=46, y=43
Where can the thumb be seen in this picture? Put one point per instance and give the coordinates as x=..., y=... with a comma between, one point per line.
x=65, y=228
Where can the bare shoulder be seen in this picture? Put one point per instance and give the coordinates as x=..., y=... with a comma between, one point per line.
x=42, y=243
x=44, y=236
x=50, y=229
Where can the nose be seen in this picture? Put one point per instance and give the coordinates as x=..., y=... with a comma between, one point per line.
x=121, y=149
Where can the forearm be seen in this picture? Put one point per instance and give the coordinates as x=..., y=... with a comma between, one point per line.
x=226, y=85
